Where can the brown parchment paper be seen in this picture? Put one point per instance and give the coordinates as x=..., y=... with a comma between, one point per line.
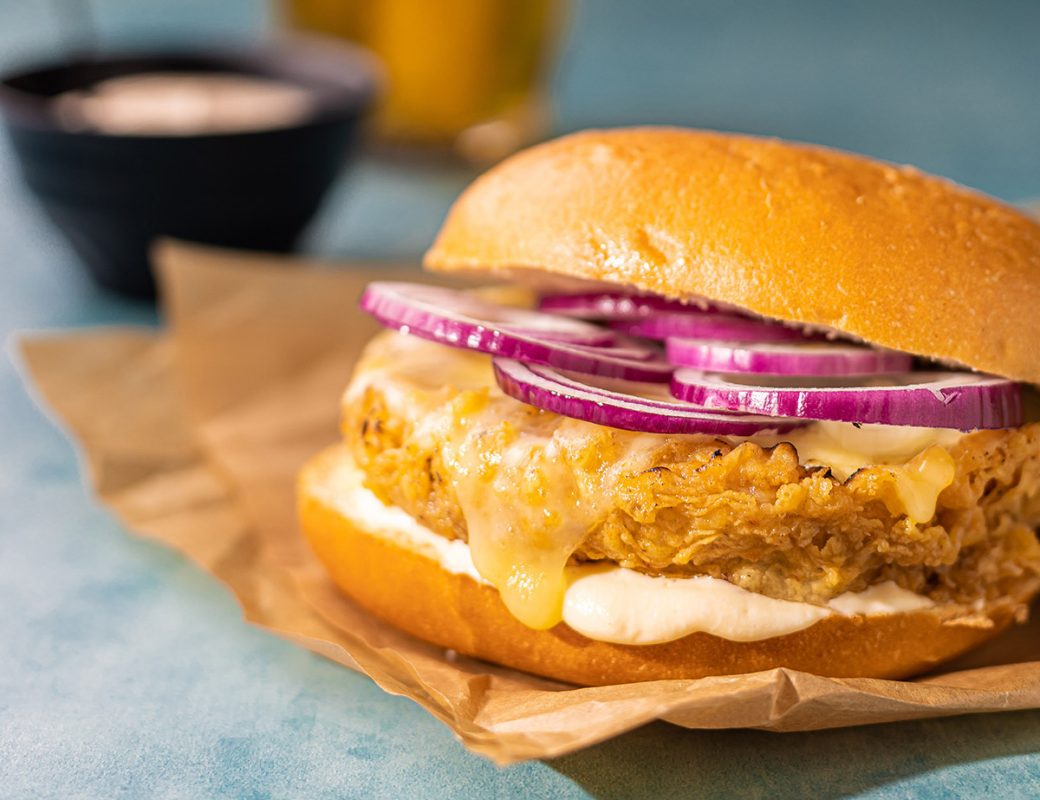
x=193, y=437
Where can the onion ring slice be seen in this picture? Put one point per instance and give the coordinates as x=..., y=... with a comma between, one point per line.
x=626, y=405
x=716, y=326
x=959, y=400
x=619, y=306
x=781, y=358
x=446, y=316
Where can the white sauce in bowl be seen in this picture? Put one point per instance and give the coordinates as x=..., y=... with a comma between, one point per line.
x=184, y=104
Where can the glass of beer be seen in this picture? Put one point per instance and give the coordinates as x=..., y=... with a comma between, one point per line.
x=463, y=74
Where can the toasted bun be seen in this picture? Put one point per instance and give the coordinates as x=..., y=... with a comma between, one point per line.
x=794, y=232
x=413, y=593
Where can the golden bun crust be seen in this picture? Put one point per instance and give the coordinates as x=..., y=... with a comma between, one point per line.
x=413, y=593
x=799, y=233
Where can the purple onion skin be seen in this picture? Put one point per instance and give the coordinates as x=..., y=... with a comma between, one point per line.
x=720, y=327
x=978, y=402
x=618, y=306
x=838, y=360
x=398, y=301
x=968, y=407
x=651, y=419
x=526, y=348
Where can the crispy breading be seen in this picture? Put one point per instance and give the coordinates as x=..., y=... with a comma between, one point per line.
x=751, y=515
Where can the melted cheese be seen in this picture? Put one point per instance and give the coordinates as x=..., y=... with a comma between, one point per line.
x=612, y=604
x=918, y=459
x=846, y=448
x=918, y=484
x=527, y=508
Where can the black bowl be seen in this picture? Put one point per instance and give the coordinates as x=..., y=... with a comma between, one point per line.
x=112, y=195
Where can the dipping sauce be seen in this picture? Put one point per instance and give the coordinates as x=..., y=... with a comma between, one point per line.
x=184, y=104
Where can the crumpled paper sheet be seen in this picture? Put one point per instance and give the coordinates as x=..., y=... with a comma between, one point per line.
x=193, y=437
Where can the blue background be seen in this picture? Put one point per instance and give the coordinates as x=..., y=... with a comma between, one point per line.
x=126, y=672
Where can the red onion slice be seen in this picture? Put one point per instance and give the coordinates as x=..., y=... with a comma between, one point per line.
x=721, y=327
x=623, y=348
x=441, y=315
x=814, y=358
x=618, y=305
x=389, y=299
x=959, y=400
x=626, y=405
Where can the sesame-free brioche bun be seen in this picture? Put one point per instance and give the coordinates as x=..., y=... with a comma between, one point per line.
x=413, y=592
x=799, y=233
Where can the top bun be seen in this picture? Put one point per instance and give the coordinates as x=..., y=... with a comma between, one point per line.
x=799, y=233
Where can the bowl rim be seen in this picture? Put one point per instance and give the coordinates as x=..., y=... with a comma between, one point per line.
x=344, y=78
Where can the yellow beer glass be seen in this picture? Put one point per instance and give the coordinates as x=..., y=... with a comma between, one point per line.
x=462, y=73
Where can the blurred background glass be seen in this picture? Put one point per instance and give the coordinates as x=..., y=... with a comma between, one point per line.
x=462, y=74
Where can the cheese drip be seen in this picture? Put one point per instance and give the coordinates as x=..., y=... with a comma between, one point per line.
x=918, y=484
x=522, y=547
x=525, y=503
x=526, y=506
x=918, y=459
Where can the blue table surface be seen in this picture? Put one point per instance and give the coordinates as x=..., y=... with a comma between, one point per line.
x=124, y=671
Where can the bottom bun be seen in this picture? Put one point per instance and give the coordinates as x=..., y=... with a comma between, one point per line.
x=415, y=594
